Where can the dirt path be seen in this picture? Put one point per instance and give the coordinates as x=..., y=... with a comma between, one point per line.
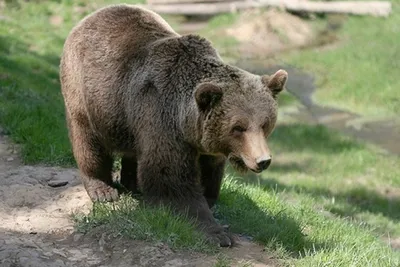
x=36, y=230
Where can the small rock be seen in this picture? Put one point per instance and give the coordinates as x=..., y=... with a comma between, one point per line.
x=77, y=237
x=59, y=263
x=60, y=253
x=247, y=237
x=102, y=241
x=57, y=183
x=175, y=262
x=46, y=254
x=10, y=159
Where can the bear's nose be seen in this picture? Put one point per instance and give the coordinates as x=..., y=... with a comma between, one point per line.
x=263, y=163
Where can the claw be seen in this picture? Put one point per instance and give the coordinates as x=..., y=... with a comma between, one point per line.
x=218, y=235
x=100, y=191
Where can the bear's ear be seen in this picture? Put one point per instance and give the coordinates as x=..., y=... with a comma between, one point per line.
x=276, y=82
x=207, y=95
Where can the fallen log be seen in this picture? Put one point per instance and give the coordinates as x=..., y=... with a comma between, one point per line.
x=162, y=2
x=373, y=8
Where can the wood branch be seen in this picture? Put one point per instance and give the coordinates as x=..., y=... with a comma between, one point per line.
x=373, y=8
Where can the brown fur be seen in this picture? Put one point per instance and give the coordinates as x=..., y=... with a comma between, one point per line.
x=166, y=102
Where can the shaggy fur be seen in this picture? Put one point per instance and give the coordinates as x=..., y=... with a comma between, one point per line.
x=169, y=104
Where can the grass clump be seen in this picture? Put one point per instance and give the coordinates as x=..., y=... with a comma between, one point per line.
x=127, y=218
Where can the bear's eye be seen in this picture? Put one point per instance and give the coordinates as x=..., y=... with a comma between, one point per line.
x=238, y=129
x=265, y=126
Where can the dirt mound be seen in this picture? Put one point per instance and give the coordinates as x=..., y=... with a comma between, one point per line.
x=265, y=32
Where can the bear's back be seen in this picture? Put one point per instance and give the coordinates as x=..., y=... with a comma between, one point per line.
x=117, y=32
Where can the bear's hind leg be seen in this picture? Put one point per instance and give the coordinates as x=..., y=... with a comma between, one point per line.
x=212, y=171
x=129, y=174
x=94, y=162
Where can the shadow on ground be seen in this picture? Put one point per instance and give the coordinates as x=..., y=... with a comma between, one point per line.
x=359, y=200
x=275, y=231
x=298, y=137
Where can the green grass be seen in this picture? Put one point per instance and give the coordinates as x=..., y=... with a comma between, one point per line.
x=300, y=232
x=361, y=73
x=347, y=178
x=126, y=217
x=325, y=201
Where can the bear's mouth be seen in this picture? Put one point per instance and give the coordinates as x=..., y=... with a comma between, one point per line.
x=239, y=165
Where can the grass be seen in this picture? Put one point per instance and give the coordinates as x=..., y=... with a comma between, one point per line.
x=298, y=232
x=347, y=178
x=325, y=201
x=129, y=219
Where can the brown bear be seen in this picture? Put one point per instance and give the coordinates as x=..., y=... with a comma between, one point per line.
x=169, y=105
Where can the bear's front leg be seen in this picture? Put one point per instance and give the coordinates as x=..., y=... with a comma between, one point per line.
x=173, y=180
x=94, y=161
x=200, y=211
x=212, y=171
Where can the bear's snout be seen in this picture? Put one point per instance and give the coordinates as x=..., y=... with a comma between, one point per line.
x=263, y=163
x=255, y=152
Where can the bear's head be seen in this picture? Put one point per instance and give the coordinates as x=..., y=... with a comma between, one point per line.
x=237, y=116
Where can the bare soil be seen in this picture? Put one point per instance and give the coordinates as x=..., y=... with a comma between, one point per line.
x=267, y=32
x=36, y=229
